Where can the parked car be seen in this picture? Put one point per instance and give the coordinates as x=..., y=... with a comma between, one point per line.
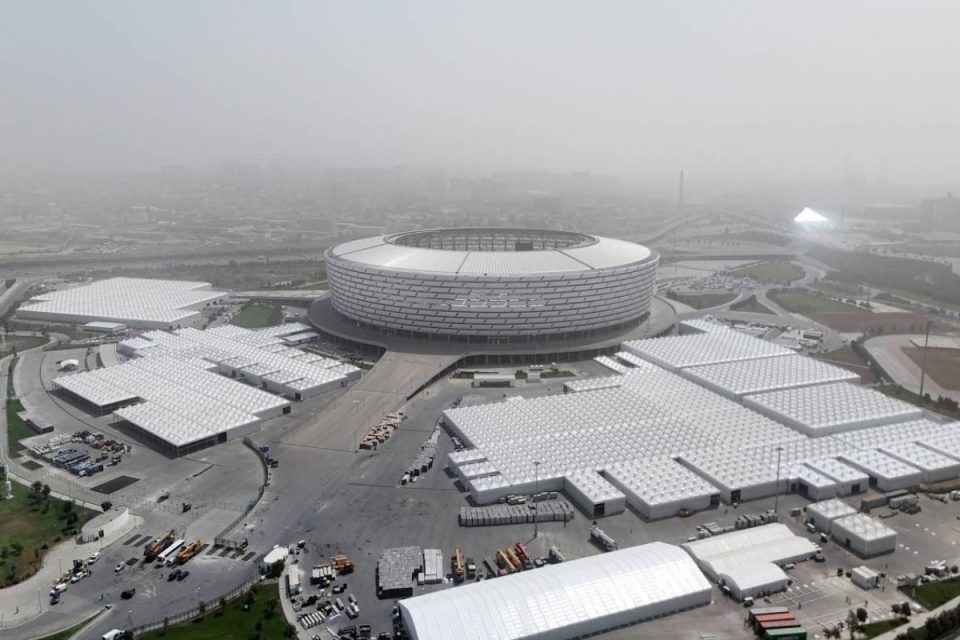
x=183, y=575
x=120, y=567
x=93, y=557
x=174, y=575
x=126, y=594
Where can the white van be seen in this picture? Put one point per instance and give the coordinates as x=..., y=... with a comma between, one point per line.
x=113, y=634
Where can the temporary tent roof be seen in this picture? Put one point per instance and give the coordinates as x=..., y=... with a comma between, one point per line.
x=143, y=301
x=678, y=352
x=737, y=379
x=572, y=599
x=733, y=554
x=832, y=408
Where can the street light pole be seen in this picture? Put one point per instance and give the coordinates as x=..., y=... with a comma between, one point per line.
x=776, y=495
x=923, y=361
x=536, y=503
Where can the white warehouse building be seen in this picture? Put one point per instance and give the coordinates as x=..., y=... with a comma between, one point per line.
x=142, y=303
x=574, y=599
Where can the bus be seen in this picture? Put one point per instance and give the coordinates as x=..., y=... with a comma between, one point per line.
x=169, y=555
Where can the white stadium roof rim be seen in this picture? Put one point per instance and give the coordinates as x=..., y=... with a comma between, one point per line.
x=585, y=252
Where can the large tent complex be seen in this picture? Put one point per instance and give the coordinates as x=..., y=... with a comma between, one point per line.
x=172, y=394
x=142, y=303
x=747, y=561
x=684, y=437
x=569, y=600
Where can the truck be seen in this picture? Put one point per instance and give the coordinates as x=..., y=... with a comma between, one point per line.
x=504, y=563
x=153, y=549
x=459, y=570
x=555, y=556
x=601, y=539
x=523, y=555
x=471, y=569
x=342, y=564
x=189, y=551
x=514, y=560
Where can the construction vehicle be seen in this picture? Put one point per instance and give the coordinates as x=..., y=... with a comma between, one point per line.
x=523, y=555
x=599, y=537
x=471, y=569
x=504, y=563
x=491, y=567
x=458, y=569
x=189, y=551
x=514, y=560
x=555, y=556
x=154, y=548
x=342, y=564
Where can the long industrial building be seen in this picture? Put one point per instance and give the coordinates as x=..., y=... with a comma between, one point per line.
x=492, y=285
x=574, y=599
x=684, y=430
x=183, y=391
x=141, y=303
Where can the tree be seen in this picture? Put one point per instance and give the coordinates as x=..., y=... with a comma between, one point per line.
x=853, y=624
x=289, y=630
x=250, y=599
x=45, y=491
x=861, y=615
x=36, y=487
x=106, y=505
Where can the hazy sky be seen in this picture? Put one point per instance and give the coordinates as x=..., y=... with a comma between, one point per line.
x=729, y=90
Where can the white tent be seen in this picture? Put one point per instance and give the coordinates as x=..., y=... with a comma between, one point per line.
x=569, y=600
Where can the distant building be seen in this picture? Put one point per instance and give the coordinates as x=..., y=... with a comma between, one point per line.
x=941, y=214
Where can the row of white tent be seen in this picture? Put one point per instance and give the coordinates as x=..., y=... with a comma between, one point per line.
x=666, y=439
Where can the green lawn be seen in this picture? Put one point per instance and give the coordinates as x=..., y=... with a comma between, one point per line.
x=934, y=594
x=32, y=525
x=803, y=302
x=256, y=316
x=750, y=305
x=66, y=634
x=875, y=629
x=559, y=373
x=17, y=429
x=20, y=343
x=771, y=272
x=703, y=300
x=32, y=465
x=233, y=623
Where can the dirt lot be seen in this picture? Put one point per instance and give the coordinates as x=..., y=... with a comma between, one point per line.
x=943, y=365
x=871, y=323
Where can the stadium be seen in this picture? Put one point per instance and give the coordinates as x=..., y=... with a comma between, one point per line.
x=500, y=286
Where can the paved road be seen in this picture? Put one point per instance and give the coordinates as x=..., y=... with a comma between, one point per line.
x=384, y=389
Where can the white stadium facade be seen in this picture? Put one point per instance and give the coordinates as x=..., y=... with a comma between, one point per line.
x=492, y=285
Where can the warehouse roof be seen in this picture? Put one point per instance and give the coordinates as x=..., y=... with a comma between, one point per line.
x=126, y=299
x=863, y=526
x=768, y=374
x=720, y=345
x=735, y=554
x=832, y=408
x=831, y=509
x=651, y=580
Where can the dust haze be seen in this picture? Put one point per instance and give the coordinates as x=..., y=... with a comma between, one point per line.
x=737, y=94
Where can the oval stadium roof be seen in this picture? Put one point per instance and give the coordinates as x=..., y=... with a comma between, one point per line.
x=598, y=253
